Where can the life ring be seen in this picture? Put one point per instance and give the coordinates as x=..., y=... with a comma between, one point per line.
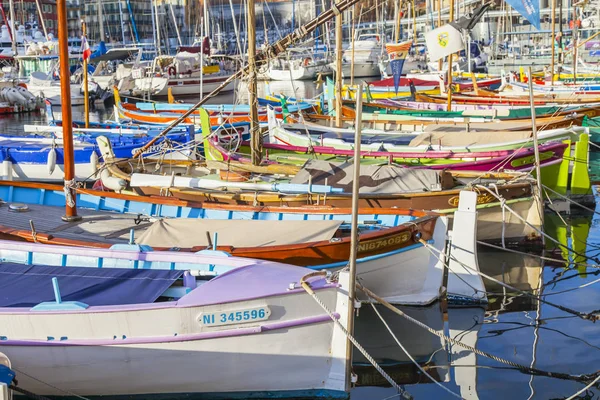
x=172, y=71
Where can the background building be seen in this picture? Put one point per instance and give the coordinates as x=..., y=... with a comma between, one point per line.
x=26, y=14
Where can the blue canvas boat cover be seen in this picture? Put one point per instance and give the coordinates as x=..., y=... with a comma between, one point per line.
x=27, y=286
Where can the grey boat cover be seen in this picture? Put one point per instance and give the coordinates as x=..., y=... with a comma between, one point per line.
x=382, y=179
x=190, y=232
x=450, y=136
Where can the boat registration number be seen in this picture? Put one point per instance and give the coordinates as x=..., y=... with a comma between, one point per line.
x=235, y=317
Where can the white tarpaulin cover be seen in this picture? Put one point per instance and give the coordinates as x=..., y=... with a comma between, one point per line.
x=382, y=179
x=190, y=232
x=443, y=41
x=448, y=138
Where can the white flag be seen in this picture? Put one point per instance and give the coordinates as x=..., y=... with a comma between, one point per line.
x=443, y=41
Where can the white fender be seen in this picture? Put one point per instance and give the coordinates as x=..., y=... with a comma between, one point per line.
x=94, y=162
x=7, y=170
x=112, y=182
x=51, y=161
x=14, y=97
x=25, y=93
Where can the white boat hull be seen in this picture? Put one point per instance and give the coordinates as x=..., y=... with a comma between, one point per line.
x=297, y=350
x=361, y=69
x=407, y=276
x=181, y=86
x=297, y=73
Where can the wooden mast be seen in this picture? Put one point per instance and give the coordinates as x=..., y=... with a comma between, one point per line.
x=398, y=20
x=67, y=119
x=352, y=42
x=574, y=33
x=354, y=228
x=414, y=21
x=86, y=94
x=450, y=19
x=536, y=149
x=553, y=41
x=255, y=136
x=338, y=67
x=439, y=23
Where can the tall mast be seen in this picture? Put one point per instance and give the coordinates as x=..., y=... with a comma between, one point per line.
x=293, y=14
x=553, y=41
x=574, y=33
x=398, y=18
x=154, y=21
x=39, y=10
x=155, y=5
x=560, y=37
x=205, y=16
x=86, y=94
x=255, y=135
x=122, y=24
x=439, y=8
x=235, y=28
x=353, y=30
x=338, y=68
x=451, y=18
x=354, y=231
x=67, y=120
x=414, y=21
x=101, y=19
x=175, y=24
x=11, y=6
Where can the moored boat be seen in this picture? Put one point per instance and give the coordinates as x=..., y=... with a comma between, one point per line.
x=244, y=320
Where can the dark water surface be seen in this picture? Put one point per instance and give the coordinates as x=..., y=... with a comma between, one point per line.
x=512, y=326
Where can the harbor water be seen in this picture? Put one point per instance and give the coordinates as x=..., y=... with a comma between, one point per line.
x=513, y=326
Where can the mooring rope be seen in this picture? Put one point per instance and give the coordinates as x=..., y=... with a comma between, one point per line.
x=513, y=212
x=527, y=369
x=27, y=393
x=557, y=260
x=306, y=286
x=47, y=384
x=591, y=316
x=409, y=356
x=570, y=200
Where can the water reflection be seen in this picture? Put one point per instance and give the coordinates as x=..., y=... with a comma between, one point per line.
x=513, y=326
x=424, y=347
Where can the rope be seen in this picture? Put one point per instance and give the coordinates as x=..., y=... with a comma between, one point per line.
x=538, y=256
x=27, y=393
x=70, y=186
x=587, y=316
x=409, y=356
x=538, y=230
x=523, y=368
x=584, y=389
x=571, y=200
x=47, y=384
x=306, y=286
